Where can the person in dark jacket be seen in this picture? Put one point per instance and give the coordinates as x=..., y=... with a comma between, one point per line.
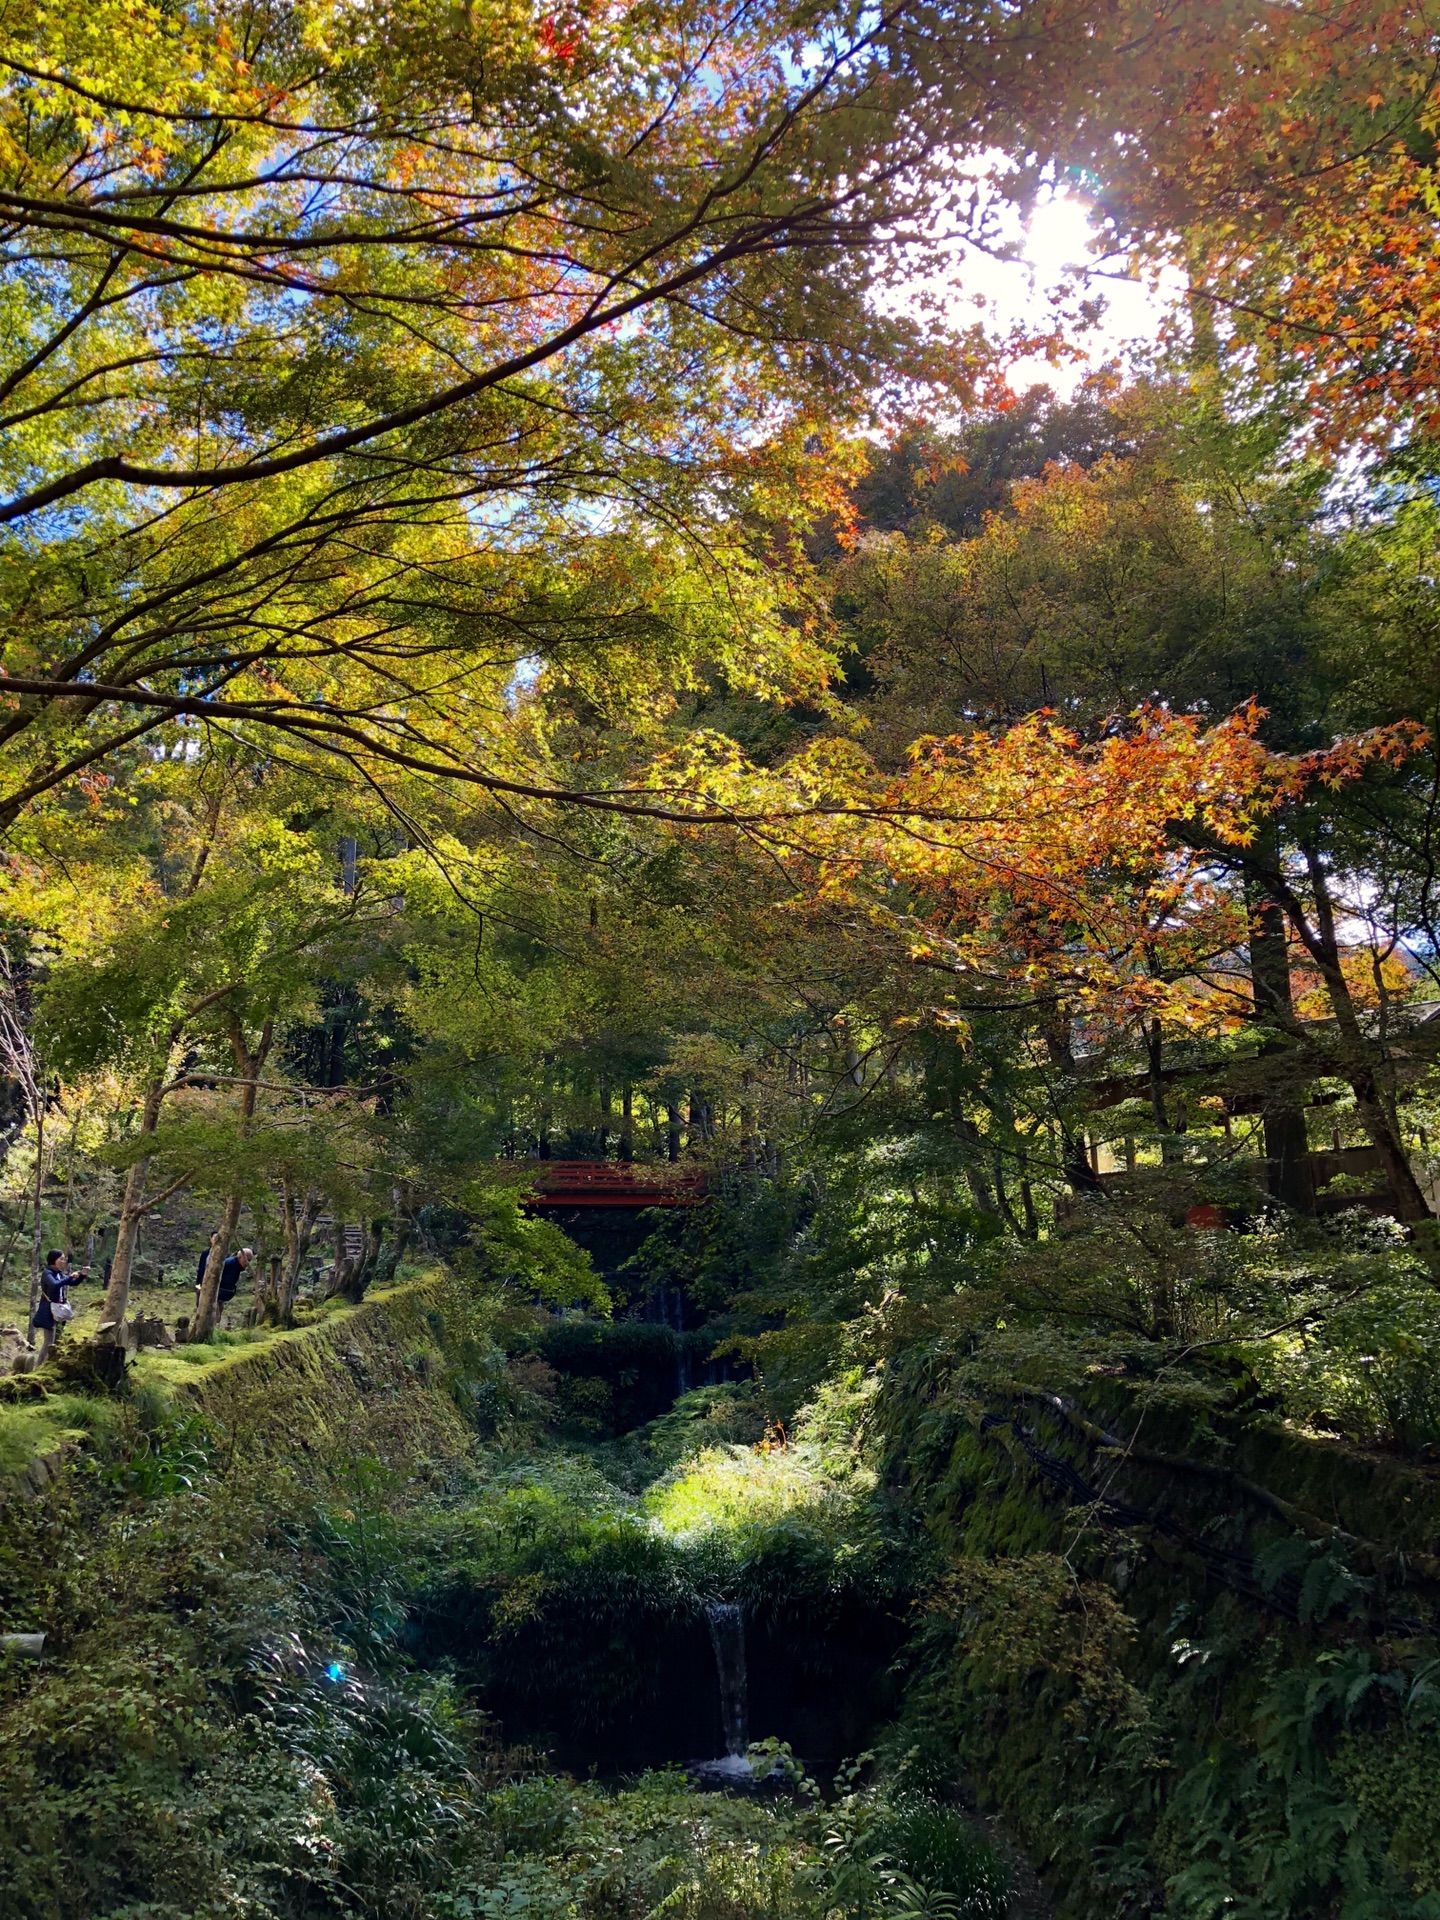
x=229, y=1276
x=55, y=1281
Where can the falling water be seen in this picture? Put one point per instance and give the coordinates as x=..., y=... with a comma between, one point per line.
x=682, y=1352
x=727, y=1636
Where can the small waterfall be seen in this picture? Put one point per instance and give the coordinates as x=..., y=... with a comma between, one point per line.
x=727, y=1636
x=682, y=1352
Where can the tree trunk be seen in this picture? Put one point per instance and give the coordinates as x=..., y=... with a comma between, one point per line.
x=251, y=1066
x=37, y=1229
x=1359, y=1068
x=1287, y=1165
x=15, y=1232
x=400, y=1214
x=1075, y=1161
x=672, y=1131
x=748, y=1121
x=299, y=1226
x=968, y=1134
x=1168, y=1124
x=132, y=1212
x=340, y=1265
x=360, y=1272
x=1357, y=1061
x=627, y=1123
x=66, y=1237
x=1027, y=1200
x=207, y=1312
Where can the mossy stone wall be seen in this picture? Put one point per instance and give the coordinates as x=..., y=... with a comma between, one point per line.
x=367, y=1382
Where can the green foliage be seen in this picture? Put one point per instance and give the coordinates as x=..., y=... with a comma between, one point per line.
x=906, y=1857
x=654, y=1849
x=614, y=1375
x=731, y=1413
x=530, y=1255
x=1371, y=1372
x=1394, y=1781
x=1276, y=1832
x=173, y=1449
x=955, y=480
x=563, y=1590
x=1157, y=1749
x=227, y=1721
x=1046, y=1434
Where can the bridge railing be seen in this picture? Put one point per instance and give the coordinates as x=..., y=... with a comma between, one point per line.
x=609, y=1183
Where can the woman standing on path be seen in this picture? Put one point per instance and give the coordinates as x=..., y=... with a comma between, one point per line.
x=54, y=1309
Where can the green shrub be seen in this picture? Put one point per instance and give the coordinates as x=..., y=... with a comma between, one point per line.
x=939, y=1852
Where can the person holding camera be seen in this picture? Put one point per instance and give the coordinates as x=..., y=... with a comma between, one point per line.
x=54, y=1307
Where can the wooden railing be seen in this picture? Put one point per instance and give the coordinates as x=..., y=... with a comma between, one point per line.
x=611, y=1183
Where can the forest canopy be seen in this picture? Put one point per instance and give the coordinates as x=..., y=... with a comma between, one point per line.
x=543, y=625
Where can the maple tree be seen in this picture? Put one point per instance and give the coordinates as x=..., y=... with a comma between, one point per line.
x=1284, y=159
x=358, y=361
x=536, y=632
x=447, y=419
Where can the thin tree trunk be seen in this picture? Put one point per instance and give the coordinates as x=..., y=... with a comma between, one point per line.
x=299, y=1226
x=1287, y=1145
x=627, y=1123
x=1027, y=1200
x=1167, y=1125
x=360, y=1274
x=267, y=1288
x=208, y=1311
x=132, y=1212
x=1359, y=1067
x=15, y=1233
x=747, y=1120
x=251, y=1066
x=66, y=1238
x=37, y=1230
x=968, y=1134
x=1356, y=1064
x=1075, y=1161
x=340, y=1265
x=1002, y=1198
x=290, y=1267
x=400, y=1214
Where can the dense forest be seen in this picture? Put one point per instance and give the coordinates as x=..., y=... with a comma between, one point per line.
x=719, y=1034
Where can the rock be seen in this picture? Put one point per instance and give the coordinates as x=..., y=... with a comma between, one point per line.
x=130, y=1336
x=16, y=1353
x=42, y=1470
x=734, y=1773
x=147, y=1330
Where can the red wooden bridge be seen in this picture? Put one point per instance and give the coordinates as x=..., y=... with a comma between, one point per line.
x=611, y=1183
